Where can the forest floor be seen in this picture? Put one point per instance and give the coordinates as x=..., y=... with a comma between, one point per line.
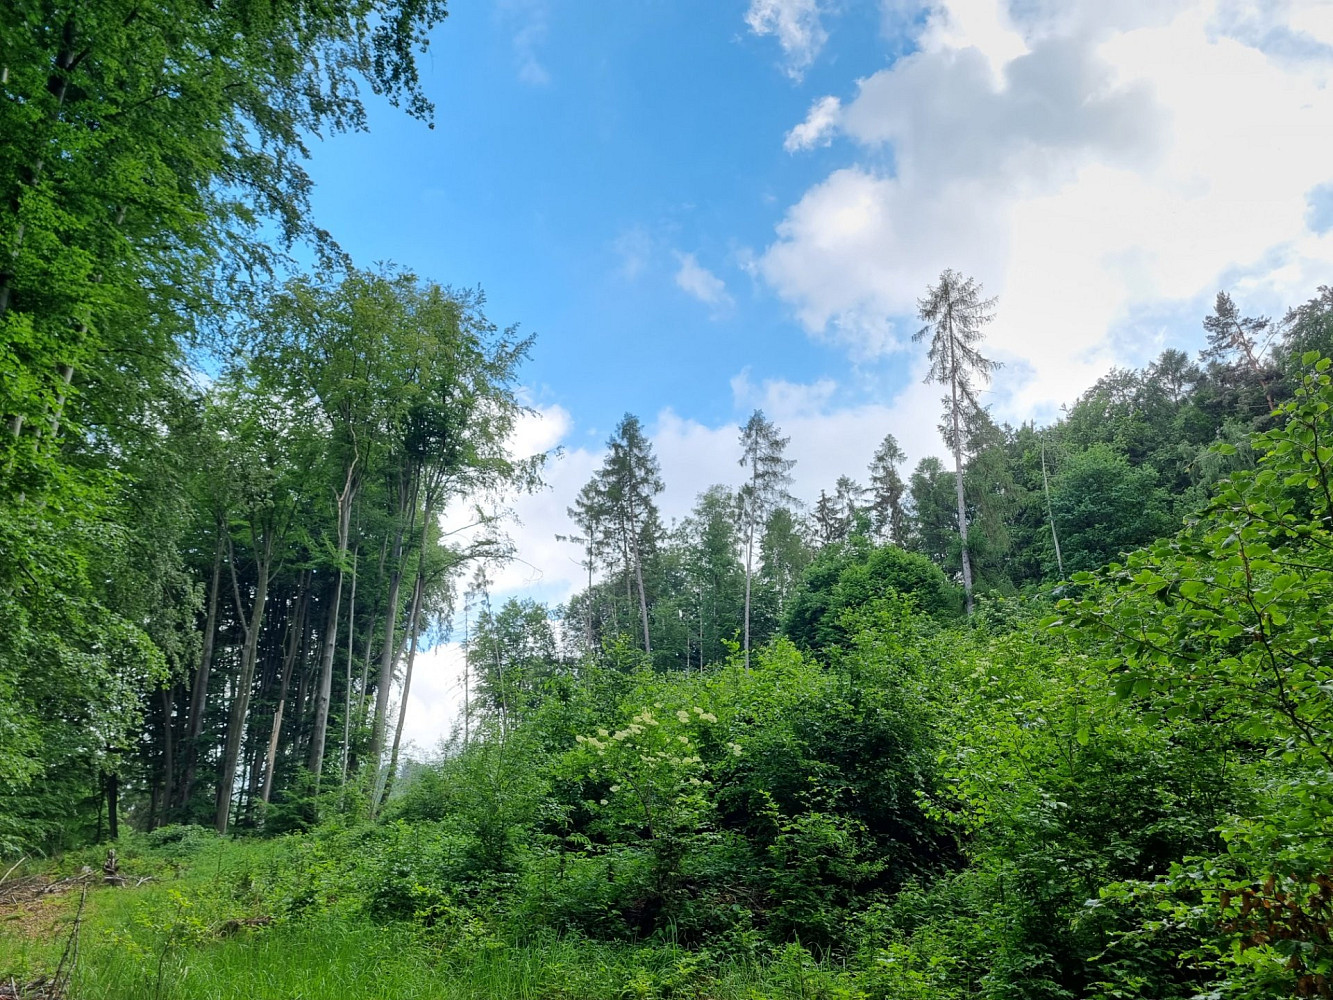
x=205, y=924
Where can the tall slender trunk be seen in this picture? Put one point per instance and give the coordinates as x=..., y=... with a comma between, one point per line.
x=324, y=692
x=365, y=670
x=749, y=555
x=587, y=608
x=168, y=748
x=295, y=642
x=347, y=684
x=324, y=683
x=643, y=599
x=385, y=682
x=1050, y=511
x=240, y=705
x=370, y=641
x=407, y=677
x=199, y=692
x=962, y=505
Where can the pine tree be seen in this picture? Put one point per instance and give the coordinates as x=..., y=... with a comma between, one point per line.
x=1231, y=334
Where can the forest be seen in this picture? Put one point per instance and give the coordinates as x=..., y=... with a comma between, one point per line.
x=1050, y=719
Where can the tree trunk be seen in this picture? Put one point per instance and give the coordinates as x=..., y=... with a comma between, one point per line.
x=199, y=693
x=643, y=599
x=347, y=685
x=1050, y=511
x=296, y=641
x=113, y=806
x=168, y=749
x=324, y=692
x=240, y=705
x=407, y=678
x=962, y=505
x=385, y=682
x=749, y=556
x=324, y=684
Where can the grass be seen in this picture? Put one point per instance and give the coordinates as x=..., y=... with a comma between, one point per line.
x=182, y=936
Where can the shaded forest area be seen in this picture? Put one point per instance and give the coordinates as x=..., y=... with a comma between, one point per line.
x=1051, y=722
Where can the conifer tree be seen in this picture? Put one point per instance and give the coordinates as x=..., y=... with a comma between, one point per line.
x=626, y=484
x=954, y=313
x=762, y=452
x=1231, y=334
x=887, y=489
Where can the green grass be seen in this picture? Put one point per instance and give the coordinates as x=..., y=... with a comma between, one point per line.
x=166, y=940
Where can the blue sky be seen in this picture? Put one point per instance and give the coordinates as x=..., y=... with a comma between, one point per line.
x=700, y=208
x=570, y=167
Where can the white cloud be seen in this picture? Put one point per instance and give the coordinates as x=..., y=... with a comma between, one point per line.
x=530, y=20
x=817, y=130
x=778, y=396
x=435, y=702
x=798, y=25
x=1089, y=162
x=980, y=25
x=697, y=281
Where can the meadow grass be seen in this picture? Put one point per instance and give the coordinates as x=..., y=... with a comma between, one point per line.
x=182, y=936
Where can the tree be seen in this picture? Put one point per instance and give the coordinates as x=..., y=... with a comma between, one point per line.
x=513, y=656
x=846, y=577
x=888, y=511
x=954, y=313
x=829, y=523
x=626, y=484
x=1229, y=623
x=451, y=429
x=1232, y=335
x=261, y=472
x=784, y=553
x=1105, y=507
x=715, y=576
x=762, y=452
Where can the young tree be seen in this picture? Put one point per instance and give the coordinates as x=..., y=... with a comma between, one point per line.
x=628, y=481
x=887, y=491
x=954, y=313
x=829, y=523
x=784, y=553
x=762, y=452
x=713, y=571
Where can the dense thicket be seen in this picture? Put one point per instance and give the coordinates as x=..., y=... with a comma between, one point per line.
x=1120, y=789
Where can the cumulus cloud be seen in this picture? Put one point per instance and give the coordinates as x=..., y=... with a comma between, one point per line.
x=798, y=26
x=818, y=128
x=1090, y=163
x=698, y=282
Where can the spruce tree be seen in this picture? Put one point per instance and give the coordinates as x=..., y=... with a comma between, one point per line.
x=954, y=313
x=762, y=452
